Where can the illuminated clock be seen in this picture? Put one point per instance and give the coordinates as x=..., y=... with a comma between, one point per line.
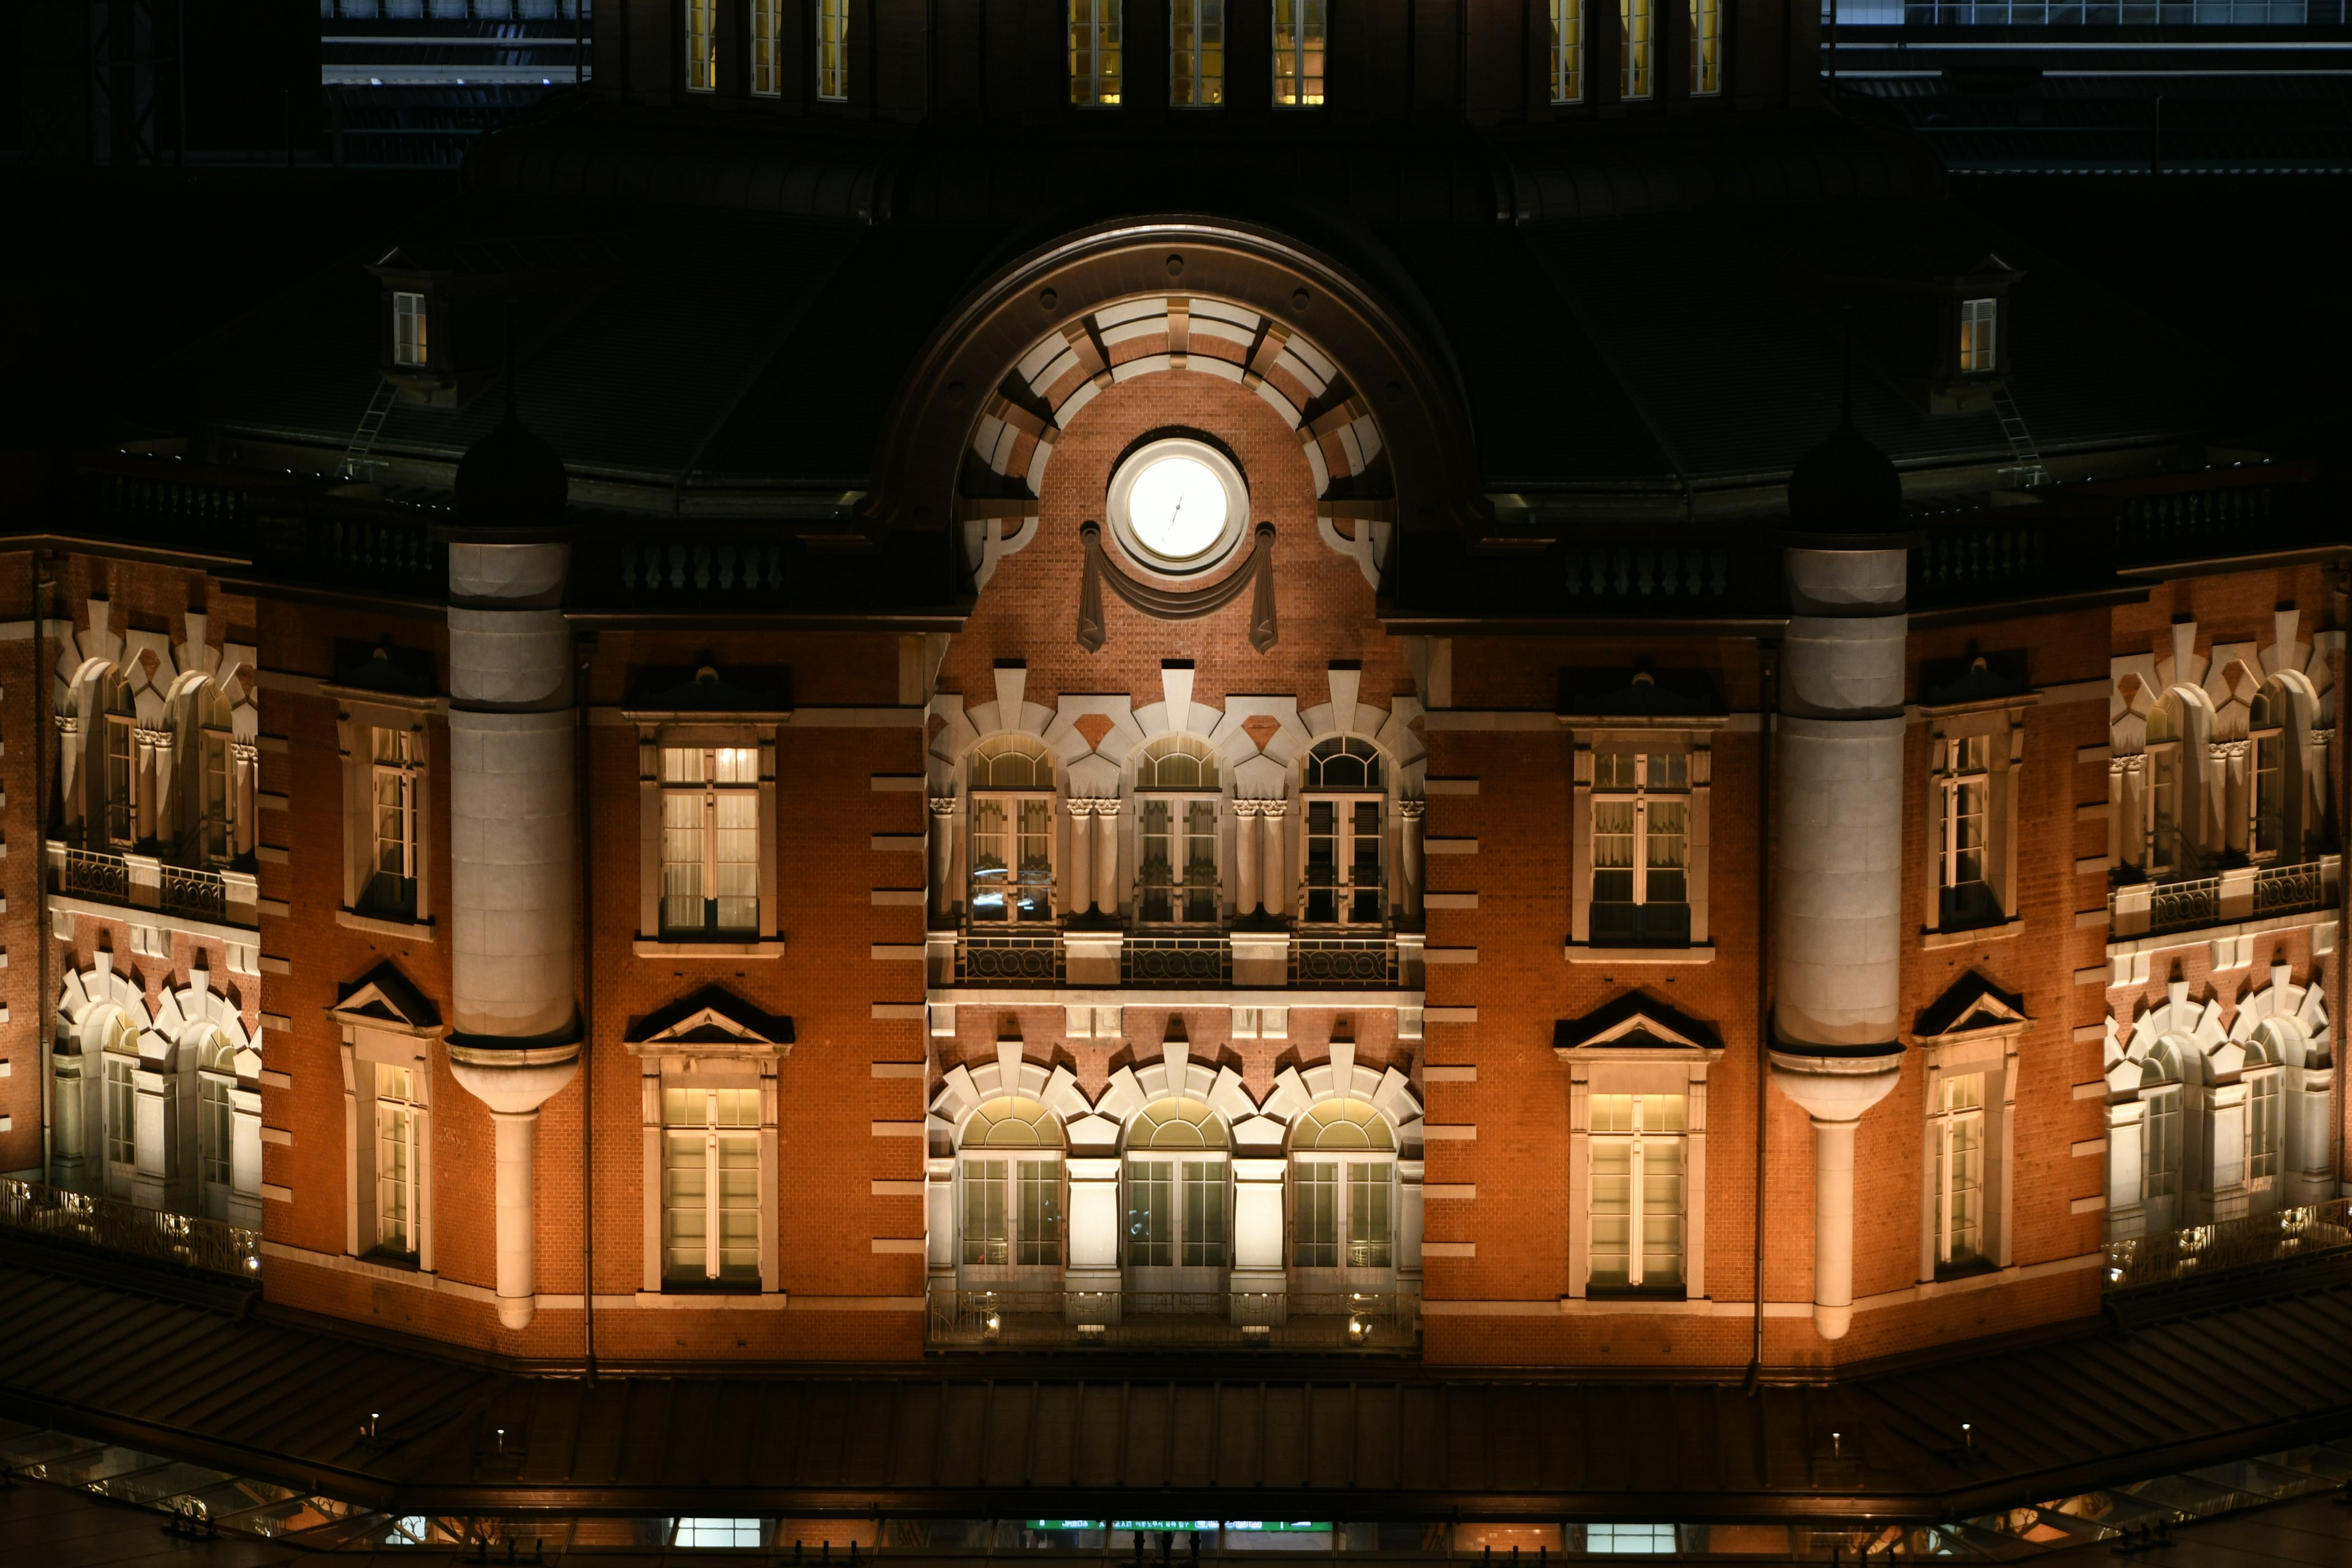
x=1178, y=505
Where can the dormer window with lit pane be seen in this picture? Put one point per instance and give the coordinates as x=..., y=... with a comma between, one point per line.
x=1094, y=64
x=1977, y=337
x=1299, y=43
x=1566, y=51
x=833, y=50
x=1196, y=53
x=1637, y=46
x=1705, y=48
x=411, y=340
x=701, y=46
x=767, y=18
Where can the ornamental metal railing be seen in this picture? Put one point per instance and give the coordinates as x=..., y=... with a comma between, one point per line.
x=110, y=1225
x=94, y=874
x=199, y=894
x=1379, y=1322
x=2196, y=1251
x=1028, y=959
x=1340, y=962
x=2184, y=905
x=2290, y=889
x=1206, y=959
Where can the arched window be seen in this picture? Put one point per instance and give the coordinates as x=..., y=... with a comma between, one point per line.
x=215, y=1120
x=118, y=774
x=1011, y=1169
x=1011, y=780
x=117, y=1048
x=1177, y=794
x=1176, y=1187
x=2173, y=840
x=205, y=785
x=2276, y=724
x=1343, y=1192
x=1345, y=794
x=2161, y=1137
x=2265, y=1122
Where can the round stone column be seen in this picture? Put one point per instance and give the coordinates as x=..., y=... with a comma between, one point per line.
x=514, y=1082
x=1837, y=909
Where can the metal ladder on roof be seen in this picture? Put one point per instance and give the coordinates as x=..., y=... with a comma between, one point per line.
x=379, y=409
x=2025, y=457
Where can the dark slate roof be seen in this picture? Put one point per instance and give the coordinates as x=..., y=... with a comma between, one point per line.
x=1343, y=1437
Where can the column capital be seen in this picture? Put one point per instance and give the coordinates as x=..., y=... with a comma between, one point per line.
x=1077, y=807
x=68, y=723
x=943, y=806
x=156, y=739
x=1274, y=809
x=1105, y=807
x=244, y=750
x=1246, y=807
x=1412, y=806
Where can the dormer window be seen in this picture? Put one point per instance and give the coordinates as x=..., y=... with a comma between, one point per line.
x=411, y=341
x=1299, y=34
x=1095, y=53
x=1977, y=337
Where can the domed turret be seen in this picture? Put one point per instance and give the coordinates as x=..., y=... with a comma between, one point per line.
x=1845, y=485
x=510, y=479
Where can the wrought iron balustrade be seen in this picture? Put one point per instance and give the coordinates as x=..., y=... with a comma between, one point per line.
x=1342, y=961
x=94, y=874
x=110, y=1224
x=2184, y=905
x=1386, y=1323
x=1202, y=960
x=2249, y=1241
x=1023, y=959
x=2290, y=889
x=196, y=893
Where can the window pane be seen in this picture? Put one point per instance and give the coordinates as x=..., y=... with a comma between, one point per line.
x=1566, y=51
x=1041, y=1211
x=1612, y=1210
x=701, y=52
x=682, y=859
x=1613, y=851
x=213, y=1132
x=392, y=1176
x=1151, y=1213
x=765, y=20
x=738, y=855
x=1368, y=1216
x=1664, y=847
x=991, y=851
x=1661, y=1210
x=1033, y=896
x=1155, y=870
x=986, y=1238
x=2270, y=798
x=2160, y=1162
x=686, y=1206
x=1707, y=47
x=1094, y=52
x=1196, y=52
x=2263, y=1126
x=739, y=1205
x=1635, y=44
x=1322, y=861
x=1315, y=1215
x=1204, y=1214
x=1199, y=861
x=1298, y=35
x=833, y=48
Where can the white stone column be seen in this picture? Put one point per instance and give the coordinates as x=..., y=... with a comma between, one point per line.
x=1105, y=866
x=1094, y=1237
x=1246, y=892
x=514, y=1083
x=1410, y=866
x=1273, y=860
x=943, y=850
x=1081, y=879
x=1838, y=886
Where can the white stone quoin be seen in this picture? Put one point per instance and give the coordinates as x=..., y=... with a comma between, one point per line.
x=1838, y=897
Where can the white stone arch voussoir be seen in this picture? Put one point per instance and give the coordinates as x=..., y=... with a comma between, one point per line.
x=2200, y=1023
x=1387, y=1091
x=195, y=1005
x=965, y=725
x=2304, y=1007
x=86, y=994
x=965, y=1089
x=1390, y=729
x=1176, y=1075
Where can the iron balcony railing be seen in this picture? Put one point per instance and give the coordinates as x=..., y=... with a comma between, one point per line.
x=2196, y=1251
x=1340, y=962
x=110, y=1224
x=196, y=893
x=1384, y=1322
x=2290, y=889
x=92, y=874
x=190, y=892
x=1205, y=959
x=1026, y=959
x=2184, y=905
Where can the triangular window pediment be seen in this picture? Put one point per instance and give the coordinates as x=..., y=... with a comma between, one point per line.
x=383, y=997
x=1632, y=1025
x=711, y=1022
x=1972, y=1006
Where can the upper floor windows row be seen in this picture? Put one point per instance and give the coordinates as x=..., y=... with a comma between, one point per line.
x=157, y=773
x=1637, y=49
x=1196, y=53
x=827, y=40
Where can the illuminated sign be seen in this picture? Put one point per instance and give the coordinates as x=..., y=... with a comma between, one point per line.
x=1262, y=1527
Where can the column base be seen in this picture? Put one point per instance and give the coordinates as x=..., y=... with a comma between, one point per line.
x=516, y=1312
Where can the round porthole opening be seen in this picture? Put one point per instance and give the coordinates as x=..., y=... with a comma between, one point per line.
x=1178, y=505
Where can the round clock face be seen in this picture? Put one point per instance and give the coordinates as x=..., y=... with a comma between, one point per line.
x=1178, y=505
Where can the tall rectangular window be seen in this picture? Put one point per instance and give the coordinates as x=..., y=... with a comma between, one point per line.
x=1964, y=789
x=1344, y=885
x=410, y=342
x=767, y=65
x=121, y=1102
x=2267, y=831
x=1012, y=1212
x=1202, y=1244
x=1315, y=1215
x=215, y=1125
x=710, y=839
x=1151, y=1213
x=1641, y=846
x=2164, y=845
x=1176, y=872
x=1094, y=68
x=701, y=46
x=1636, y=1197
x=1977, y=345
x=1566, y=51
x=212, y=828
x=1196, y=53
x=1299, y=43
x=1371, y=1184
x=2160, y=1164
x=396, y=1159
x=392, y=876
x=1706, y=47
x=1011, y=858
x=987, y=1230
x=710, y=1185
x=1636, y=48
x=1959, y=1135
x=122, y=780
x=1039, y=1213
x=833, y=50
x=2264, y=1126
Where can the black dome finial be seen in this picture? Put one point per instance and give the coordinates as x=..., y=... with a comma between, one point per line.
x=510, y=479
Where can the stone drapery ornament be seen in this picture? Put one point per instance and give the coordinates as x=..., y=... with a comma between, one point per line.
x=1256, y=571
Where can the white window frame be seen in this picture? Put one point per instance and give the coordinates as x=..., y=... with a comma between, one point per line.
x=1097, y=53
x=370, y=1042
x=1618, y=735
x=412, y=321
x=1638, y=1142
x=1642, y=797
x=1196, y=28
x=1637, y=50
x=1345, y=891
x=704, y=1050
x=1951, y=1125
x=1639, y=1054
x=1567, y=68
x=396, y=783
x=831, y=54
x=1974, y=750
x=659, y=729
x=701, y=799
x=702, y=1133
x=1706, y=48
x=1302, y=35
x=394, y=1120
x=362, y=713
x=1980, y=345
x=767, y=20
x=700, y=55
x=1987, y=1043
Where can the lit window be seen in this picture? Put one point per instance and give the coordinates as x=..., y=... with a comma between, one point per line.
x=396, y=1159
x=1976, y=337
x=1012, y=780
x=1568, y=51
x=720, y=1533
x=215, y=1122
x=833, y=50
x=1636, y=1191
x=1343, y=1182
x=701, y=46
x=1176, y=832
x=710, y=839
x=2168, y=849
x=1011, y=1206
x=1095, y=53
x=2263, y=1102
x=1298, y=47
x=711, y=1184
x=121, y=779
x=2161, y=1134
x=1641, y=846
x=2272, y=833
x=1636, y=48
x=1344, y=797
x=1964, y=786
x=1176, y=1187
x=409, y=338
x=1957, y=1136
x=1707, y=47
x=121, y=1104
x=1196, y=53
x=392, y=874
x=767, y=66
x=1600, y=1537
x=214, y=781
